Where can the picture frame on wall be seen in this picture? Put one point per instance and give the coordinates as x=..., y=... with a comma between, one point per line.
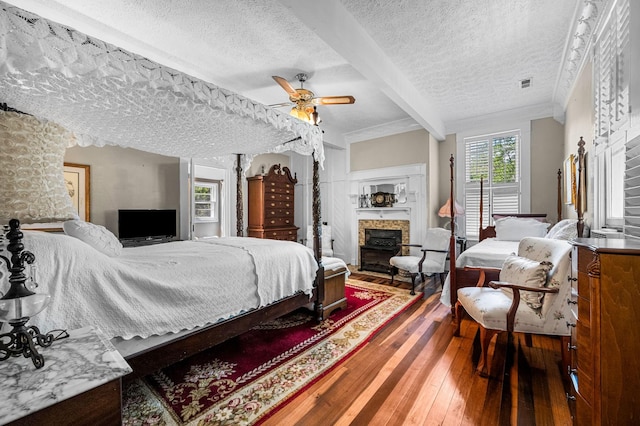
x=77, y=178
x=570, y=180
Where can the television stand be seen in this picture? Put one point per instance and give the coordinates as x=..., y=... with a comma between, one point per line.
x=137, y=242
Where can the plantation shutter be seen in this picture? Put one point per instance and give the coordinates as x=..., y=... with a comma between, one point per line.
x=612, y=73
x=632, y=189
x=495, y=159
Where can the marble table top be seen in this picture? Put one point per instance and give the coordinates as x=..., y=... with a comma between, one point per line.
x=83, y=361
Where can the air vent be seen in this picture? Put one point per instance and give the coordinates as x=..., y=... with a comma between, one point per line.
x=525, y=83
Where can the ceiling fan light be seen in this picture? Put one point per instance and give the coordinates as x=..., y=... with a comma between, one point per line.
x=300, y=114
x=315, y=118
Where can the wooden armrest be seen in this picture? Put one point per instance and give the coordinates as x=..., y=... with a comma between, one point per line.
x=504, y=284
x=435, y=251
x=482, y=277
x=482, y=268
x=410, y=245
x=511, y=314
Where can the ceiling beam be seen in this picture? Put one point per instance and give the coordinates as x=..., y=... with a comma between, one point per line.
x=338, y=28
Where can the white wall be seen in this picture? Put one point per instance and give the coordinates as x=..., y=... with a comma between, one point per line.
x=125, y=178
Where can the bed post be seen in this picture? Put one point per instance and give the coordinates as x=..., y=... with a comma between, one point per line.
x=317, y=246
x=481, y=205
x=581, y=187
x=239, y=213
x=452, y=242
x=559, y=205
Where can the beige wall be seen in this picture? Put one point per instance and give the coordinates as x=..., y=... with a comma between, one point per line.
x=433, y=168
x=396, y=150
x=415, y=147
x=124, y=178
x=446, y=148
x=547, y=155
x=579, y=122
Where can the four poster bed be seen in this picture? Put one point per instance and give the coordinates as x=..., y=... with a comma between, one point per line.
x=495, y=245
x=130, y=101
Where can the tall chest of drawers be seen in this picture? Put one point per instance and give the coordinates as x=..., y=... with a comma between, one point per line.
x=605, y=343
x=271, y=205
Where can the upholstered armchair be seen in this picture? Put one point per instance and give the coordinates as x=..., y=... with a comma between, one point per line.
x=431, y=261
x=327, y=240
x=531, y=297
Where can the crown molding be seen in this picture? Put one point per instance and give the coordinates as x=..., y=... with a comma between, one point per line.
x=577, y=47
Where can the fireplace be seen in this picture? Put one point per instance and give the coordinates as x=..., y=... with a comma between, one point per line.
x=379, y=246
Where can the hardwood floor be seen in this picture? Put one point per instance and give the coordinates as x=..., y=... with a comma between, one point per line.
x=415, y=372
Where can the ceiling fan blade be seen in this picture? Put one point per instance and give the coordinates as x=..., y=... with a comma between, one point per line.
x=286, y=86
x=283, y=104
x=333, y=100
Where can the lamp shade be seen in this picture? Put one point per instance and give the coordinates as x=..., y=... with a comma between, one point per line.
x=32, y=185
x=445, y=210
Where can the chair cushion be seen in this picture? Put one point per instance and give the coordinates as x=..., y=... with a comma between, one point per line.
x=406, y=263
x=489, y=307
x=525, y=272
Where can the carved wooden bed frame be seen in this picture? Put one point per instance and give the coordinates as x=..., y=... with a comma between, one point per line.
x=459, y=277
x=182, y=347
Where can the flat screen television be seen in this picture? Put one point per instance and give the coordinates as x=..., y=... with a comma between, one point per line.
x=143, y=224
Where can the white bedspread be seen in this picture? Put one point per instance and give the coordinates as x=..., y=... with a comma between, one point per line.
x=489, y=252
x=163, y=288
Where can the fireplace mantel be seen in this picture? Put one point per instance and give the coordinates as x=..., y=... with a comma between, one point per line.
x=383, y=212
x=412, y=209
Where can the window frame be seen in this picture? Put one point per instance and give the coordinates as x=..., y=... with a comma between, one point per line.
x=524, y=174
x=214, y=185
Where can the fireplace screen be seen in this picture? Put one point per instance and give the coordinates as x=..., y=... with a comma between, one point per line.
x=380, y=245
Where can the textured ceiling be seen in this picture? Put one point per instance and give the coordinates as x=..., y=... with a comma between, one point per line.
x=410, y=64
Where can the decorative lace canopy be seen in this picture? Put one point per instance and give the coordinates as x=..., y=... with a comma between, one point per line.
x=106, y=95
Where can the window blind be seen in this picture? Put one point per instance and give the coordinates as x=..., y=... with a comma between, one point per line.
x=495, y=159
x=632, y=189
x=612, y=73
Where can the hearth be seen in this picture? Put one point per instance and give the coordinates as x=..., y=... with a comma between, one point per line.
x=379, y=246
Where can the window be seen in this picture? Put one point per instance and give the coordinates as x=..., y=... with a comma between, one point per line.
x=205, y=199
x=611, y=79
x=494, y=158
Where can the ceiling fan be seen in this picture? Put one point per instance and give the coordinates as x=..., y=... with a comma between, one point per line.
x=305, y=101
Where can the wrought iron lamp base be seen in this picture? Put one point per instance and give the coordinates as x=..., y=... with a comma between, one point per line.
x=22, y=341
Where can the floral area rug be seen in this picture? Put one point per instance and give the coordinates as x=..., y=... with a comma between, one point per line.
x=246, y=379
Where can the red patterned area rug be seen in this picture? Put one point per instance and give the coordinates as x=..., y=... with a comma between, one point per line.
x=248, y=378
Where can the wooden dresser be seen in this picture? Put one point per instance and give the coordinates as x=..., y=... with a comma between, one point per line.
x=604, y=368
x=271, y=202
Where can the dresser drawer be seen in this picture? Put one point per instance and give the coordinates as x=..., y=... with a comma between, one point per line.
x=288, y=235
x=585, y=257
x=279, y=204
x=274, y=222
x=276, y=212
x=274, y=196
x=279, y=190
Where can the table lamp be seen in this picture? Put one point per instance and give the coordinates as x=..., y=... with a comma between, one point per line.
x=32, y=191
x=445, y=211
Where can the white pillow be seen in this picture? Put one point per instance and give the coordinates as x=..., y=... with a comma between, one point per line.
x=97, y=236
x=526, y=272
x=566, y=229
x=515, y=229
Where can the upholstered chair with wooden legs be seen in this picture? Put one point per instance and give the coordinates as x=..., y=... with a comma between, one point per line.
x=432, y=260
x=326, y=239
x=533, y=296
